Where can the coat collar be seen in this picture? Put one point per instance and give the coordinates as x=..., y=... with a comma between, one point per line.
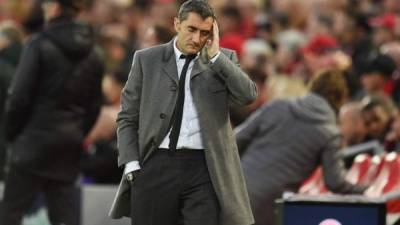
x=170, y=68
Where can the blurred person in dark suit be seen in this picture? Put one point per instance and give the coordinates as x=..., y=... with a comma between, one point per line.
x=285, y=140
x=53, y=101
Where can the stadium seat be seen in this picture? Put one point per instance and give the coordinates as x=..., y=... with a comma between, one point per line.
x=314, y=184
x=388, y=180
x=359, y=169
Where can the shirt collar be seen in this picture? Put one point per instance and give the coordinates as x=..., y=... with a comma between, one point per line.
x=178, y=53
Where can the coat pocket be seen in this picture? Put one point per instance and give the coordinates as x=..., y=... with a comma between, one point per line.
x=217, y=88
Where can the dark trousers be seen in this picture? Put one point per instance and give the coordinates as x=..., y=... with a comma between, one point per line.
x=173, y=189
x=22, y=190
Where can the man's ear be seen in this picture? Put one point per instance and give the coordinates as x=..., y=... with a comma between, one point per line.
x=177, y=24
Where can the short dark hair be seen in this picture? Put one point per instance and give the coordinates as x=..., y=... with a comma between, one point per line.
x=197, y=6
x=380, y=63
x=163, y=33
x=332, y=86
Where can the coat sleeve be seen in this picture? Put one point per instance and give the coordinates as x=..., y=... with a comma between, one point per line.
x=21, y=92
x=334, y=171
x=128, y=117
x=241, y=88
x=94, y=94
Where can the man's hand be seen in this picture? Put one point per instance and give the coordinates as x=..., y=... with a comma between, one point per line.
x=212, y=44
x=131, y=176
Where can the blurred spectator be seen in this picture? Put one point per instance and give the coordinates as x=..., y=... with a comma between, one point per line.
x=287, y=56
x=249, y=11
x=391, y=6
x=392, y=139
x=105, y=126
x=321, y=53
x=352, y=125
x=377, y=113
x=362, y=45
x=34, y=20
x=113, y=40
x=384, y=28
x=283, y=142
x=162, y=12
x=263, y=26
x=392, y=49
x=237, y=113
x=256, y=54
x=156, y=34
x=229, y=23
x=28, y=13
x=377, y=73
x=101, y=157
x=54, y=100
x=282, y=86
x=10, y=49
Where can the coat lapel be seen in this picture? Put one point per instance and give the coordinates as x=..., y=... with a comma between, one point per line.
x=169, y=63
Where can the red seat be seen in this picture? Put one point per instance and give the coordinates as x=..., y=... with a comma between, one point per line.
x=388, y=180
x=314, y=184
x=364, y=170
x=359, y=169
x=374, y=169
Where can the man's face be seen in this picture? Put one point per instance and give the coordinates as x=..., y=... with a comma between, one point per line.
x=51, y=9
x=372, y=82
x=193, y=33
x=352, y=127
x=376, y=121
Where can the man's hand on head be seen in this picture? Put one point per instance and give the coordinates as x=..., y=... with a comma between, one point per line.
x=212, y=44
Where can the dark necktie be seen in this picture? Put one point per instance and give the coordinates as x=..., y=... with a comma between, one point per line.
x=177, y=122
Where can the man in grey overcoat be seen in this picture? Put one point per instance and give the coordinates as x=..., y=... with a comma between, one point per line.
x=174, y=134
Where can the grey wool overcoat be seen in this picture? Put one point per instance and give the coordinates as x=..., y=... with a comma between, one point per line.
x=148, y=101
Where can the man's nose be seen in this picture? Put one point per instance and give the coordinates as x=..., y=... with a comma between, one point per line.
x=196, y=37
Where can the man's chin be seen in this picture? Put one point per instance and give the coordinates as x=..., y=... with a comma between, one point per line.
x=192, y=50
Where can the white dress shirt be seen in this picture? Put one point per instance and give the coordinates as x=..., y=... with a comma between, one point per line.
x=190, y=135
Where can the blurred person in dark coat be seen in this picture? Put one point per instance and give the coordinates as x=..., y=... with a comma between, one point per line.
x=52, y=103
x=285, y=140
x=10, y=49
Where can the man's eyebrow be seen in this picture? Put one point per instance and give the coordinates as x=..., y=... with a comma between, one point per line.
x=196, y=28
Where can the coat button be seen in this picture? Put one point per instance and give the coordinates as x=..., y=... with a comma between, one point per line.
x=173, y=88
x=162, y=115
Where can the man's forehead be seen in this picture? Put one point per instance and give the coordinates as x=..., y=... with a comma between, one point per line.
x=196, y=21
